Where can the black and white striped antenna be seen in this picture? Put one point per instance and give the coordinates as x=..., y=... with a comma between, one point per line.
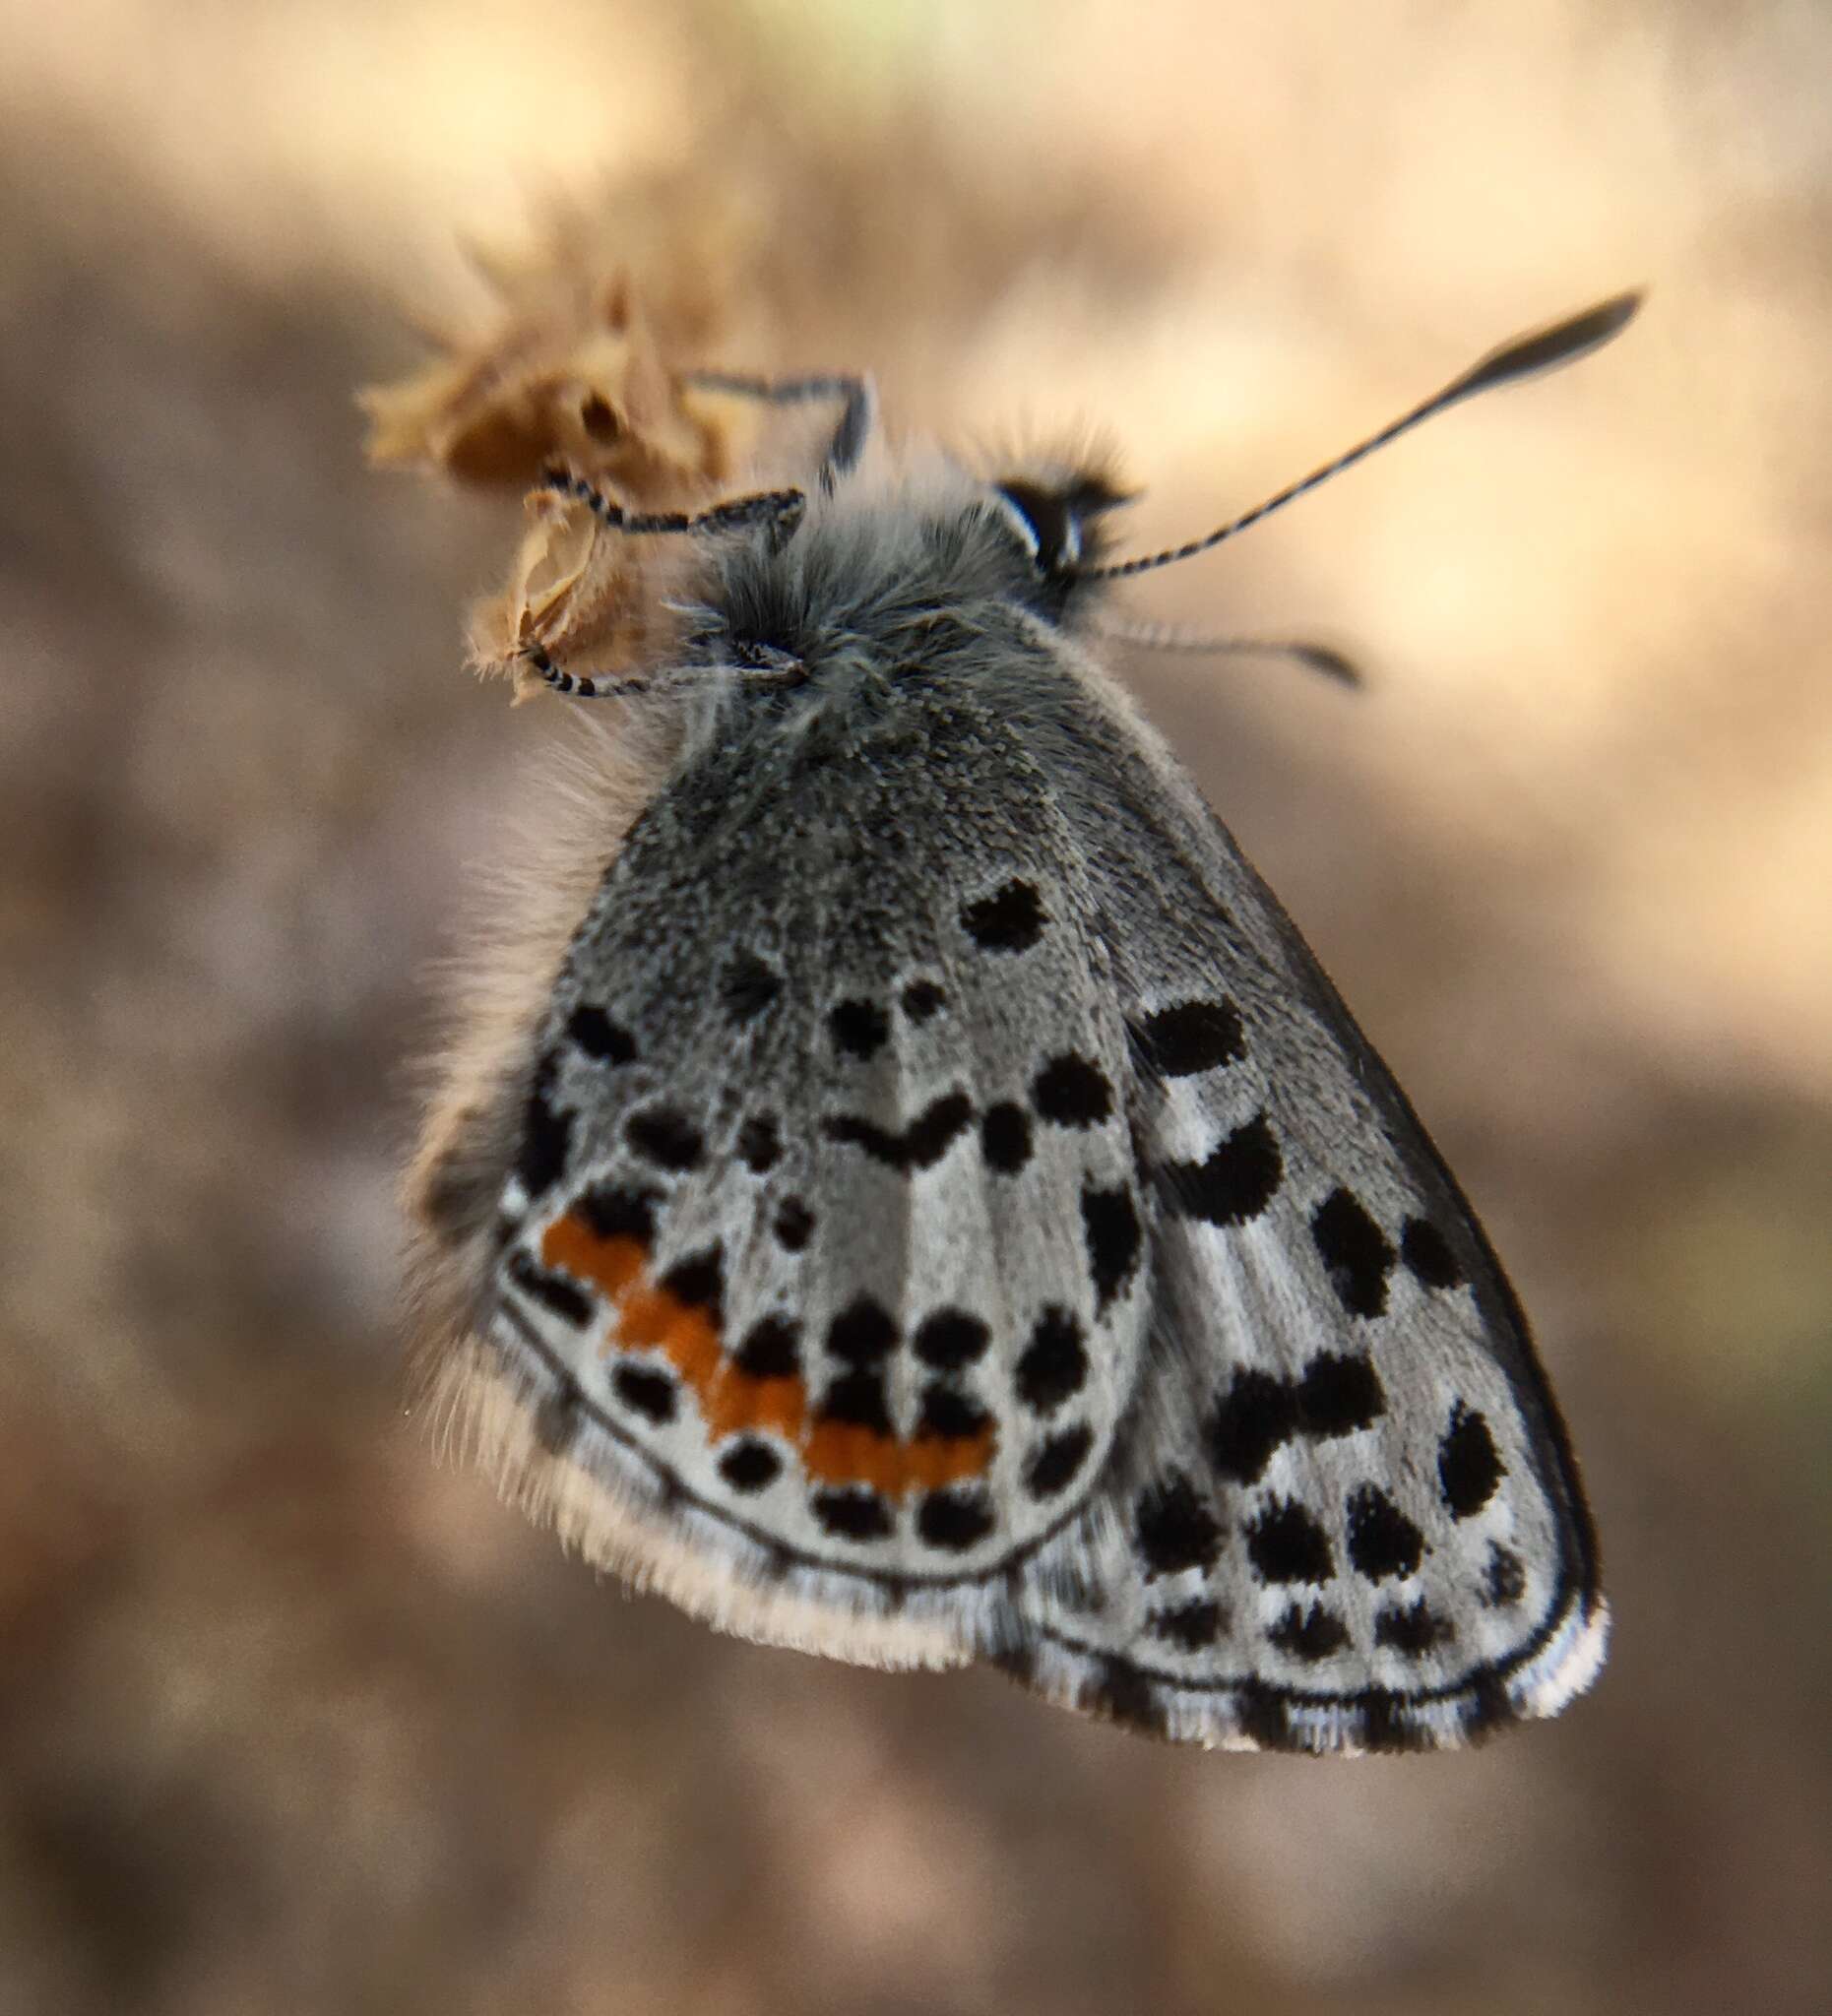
x=1544, y=349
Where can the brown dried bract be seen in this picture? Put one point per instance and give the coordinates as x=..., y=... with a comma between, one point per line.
x=586, y=366
x=598, y=321
x=586, y=596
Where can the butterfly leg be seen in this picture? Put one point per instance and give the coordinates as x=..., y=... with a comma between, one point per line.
x=761, y=507
x=858, y=410
x=760, y=665
x=582, y=685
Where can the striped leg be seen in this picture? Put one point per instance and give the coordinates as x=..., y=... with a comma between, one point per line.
x=762, y=507
x=857, y=413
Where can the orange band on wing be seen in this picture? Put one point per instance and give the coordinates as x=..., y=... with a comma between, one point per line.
x=650, y=1317
x=843, y=1453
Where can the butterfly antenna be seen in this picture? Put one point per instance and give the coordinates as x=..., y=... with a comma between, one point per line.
x=1544, y=349
x=1316, y=658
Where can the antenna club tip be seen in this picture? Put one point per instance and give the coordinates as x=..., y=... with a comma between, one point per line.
x=1550, y=348
x=1610, y=317
x=1331, y=663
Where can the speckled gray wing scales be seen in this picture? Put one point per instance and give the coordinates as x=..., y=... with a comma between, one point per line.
x=824, y=1253
x=955, y=1217
x=1342, y=1513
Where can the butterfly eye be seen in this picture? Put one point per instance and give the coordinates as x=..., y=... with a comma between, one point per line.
x=1044, y=521
x=1053, y=522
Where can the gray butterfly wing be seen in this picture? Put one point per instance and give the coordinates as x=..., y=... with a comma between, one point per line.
x=955, y=1217
x=822, y=1263
x=1342, y=1513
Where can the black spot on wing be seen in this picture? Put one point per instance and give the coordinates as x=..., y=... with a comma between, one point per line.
x=1055, y=1364
x=665, y=1136
x=620, y=1211
x=603, y=1041
x=1192, y=1036
x=1189, y=1626
x=1310, y=1635
x=1428, y=1256
x=856, y=1400
x=546, y=1134
x=861, y=1029
x=795, y=1225
x=560, y=1297
x=750, y=1464
x=922, y=999
x=1355, y=1251
x=1072, y=1091
x=1010, y=920
x=1335, y=1395
x=1256, y=1416
x=1053, y=1468
x=919, y=1146
x=771, y=1348
x=1415, y=1631
x=854, y=1514
x=1114, y=1237
x=760, y=1142
x=954, y=1520
x=699, y=1281
x=865, y=1333
x=948, y=1338
x=1469, y=1466
x=1005, y=1137
x=1382, y=1540
x=1235, y=1182
x=949, y=1413
x=646, y=1392
x=1339, y=1393
x=1286, y=1543
x=1175, y=1529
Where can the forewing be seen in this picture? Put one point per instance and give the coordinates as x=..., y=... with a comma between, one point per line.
x=1342, y=1513
x=822, y=1262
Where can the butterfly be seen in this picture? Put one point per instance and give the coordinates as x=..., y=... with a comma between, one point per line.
x=939, y=1210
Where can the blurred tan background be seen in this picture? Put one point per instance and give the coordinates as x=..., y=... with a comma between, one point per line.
x=290, y=1720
